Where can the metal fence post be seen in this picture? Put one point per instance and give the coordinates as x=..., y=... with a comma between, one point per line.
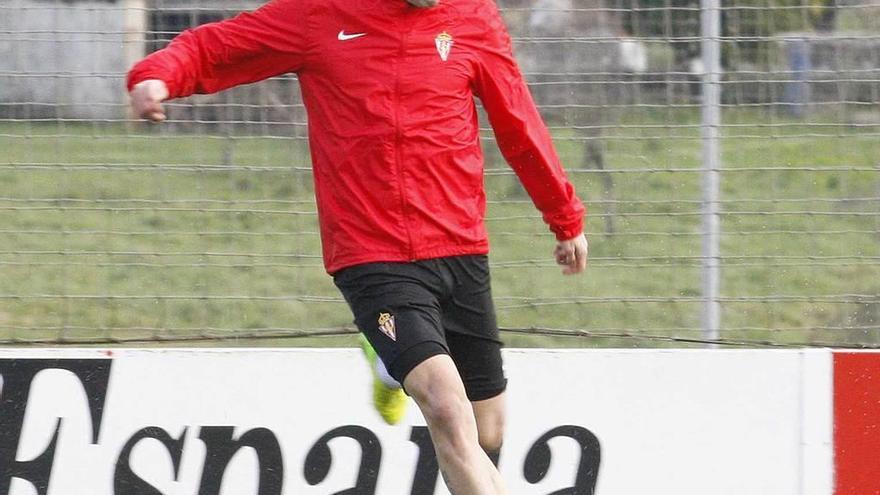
x=134, y=44
x=710, y=18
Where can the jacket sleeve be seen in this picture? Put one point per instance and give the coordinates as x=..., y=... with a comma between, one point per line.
x=250, y=47
x=521, y=134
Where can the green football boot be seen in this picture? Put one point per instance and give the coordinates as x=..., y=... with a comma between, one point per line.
x=390, y=401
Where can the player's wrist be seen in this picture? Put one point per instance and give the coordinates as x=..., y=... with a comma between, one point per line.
x=156, y=89
x=572, y=238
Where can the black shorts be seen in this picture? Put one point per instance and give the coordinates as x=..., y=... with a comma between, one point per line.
x=412, y=311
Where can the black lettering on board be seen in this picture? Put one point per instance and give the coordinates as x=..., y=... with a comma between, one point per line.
x=125, y=481
x=425, y=479
x=319, y=459
x=18, y=375
x=220, y=447
x=538, y=459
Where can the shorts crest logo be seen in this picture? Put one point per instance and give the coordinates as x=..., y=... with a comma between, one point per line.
x=386, y=325
x=444, y=45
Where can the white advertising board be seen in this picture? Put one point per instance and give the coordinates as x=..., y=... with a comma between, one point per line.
x=268, y=422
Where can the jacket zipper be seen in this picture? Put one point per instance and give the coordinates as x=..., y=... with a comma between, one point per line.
x=398, y=140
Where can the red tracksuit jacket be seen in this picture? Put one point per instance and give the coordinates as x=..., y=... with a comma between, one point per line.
x=389, y=90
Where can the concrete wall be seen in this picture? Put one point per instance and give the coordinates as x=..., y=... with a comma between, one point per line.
x=62, y=60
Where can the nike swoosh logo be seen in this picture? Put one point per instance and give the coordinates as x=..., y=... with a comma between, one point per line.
x=345, y=37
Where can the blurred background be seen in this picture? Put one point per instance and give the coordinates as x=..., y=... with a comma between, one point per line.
x=729, y=155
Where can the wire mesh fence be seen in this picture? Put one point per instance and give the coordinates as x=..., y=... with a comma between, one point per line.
x=204, y=228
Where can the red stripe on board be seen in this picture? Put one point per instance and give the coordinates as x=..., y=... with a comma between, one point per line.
x=857, y=423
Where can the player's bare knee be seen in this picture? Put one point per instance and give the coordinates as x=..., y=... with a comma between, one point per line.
x=490, y=416
x=491, y=439
x=491, y=434
x=445, y=410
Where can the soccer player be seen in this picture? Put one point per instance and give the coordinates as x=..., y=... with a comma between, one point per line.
x=389, y=88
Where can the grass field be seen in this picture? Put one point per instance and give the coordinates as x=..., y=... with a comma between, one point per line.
x=115, y=233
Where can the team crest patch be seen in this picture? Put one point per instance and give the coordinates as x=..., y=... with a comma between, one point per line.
x=386, y=325
x=444, y=45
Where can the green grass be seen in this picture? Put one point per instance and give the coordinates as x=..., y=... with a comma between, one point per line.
x=148, y=243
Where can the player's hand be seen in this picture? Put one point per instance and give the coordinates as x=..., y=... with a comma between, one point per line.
x=572, y=255
x=146, y=99
x=423, y=3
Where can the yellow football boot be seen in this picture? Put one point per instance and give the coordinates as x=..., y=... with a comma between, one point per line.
x=389, y=400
